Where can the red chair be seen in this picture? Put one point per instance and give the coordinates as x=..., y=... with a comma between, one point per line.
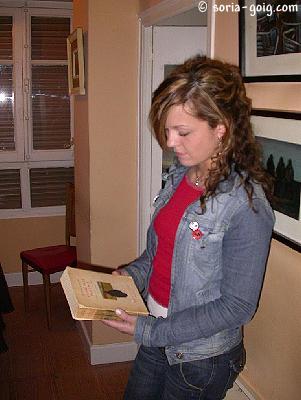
x=48, y=260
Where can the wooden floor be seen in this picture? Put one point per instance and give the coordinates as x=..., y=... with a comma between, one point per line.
x=42, y=364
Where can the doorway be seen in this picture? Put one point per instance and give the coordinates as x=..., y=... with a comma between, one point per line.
x=165, y=43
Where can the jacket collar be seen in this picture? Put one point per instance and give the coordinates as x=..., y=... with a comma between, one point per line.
x=175, y=173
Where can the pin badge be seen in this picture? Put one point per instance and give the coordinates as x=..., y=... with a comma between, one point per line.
x=155, y=199
x=193, y=225
x=196, y=232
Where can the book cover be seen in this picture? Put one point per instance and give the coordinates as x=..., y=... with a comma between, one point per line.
x=95, y=295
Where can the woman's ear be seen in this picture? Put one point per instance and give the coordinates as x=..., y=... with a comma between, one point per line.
x=220, y=131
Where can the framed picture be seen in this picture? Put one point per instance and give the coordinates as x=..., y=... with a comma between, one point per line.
x=75, y=50
x=279, y=135
x=270, y=40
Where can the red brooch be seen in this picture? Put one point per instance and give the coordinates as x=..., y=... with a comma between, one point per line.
x=196, y=232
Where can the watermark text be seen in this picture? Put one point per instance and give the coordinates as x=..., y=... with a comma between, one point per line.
x=253, y=9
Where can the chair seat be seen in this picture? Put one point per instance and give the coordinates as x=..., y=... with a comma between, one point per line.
x=50, y=259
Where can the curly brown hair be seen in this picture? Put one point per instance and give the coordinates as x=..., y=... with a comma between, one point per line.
x=214, y=91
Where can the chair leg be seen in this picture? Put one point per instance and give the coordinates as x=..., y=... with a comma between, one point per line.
x=25, y=285
x=46, y=280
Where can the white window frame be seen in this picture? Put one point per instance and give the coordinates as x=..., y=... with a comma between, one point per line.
x=18, y=153
x=26, y=210
x=31, y=154
x=25, y=157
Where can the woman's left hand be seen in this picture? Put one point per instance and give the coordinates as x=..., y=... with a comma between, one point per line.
x=126, y=324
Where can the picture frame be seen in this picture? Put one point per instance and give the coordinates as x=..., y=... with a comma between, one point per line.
x=75, y=52
x=279, y=134
x=269, y=41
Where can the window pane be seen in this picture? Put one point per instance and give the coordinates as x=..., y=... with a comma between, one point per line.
x=10, y=189
x=48, y=186
x=6, y=40
x=7, y=139
x=48, y=38
x=50, y=108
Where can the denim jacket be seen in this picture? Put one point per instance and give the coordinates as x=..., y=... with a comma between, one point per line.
x=216, y=280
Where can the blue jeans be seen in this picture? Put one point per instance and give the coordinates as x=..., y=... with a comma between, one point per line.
x=152, y=378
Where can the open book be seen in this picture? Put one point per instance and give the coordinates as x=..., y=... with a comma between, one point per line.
x=94, y=295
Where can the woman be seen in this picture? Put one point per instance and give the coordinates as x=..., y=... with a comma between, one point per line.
x=207, y=245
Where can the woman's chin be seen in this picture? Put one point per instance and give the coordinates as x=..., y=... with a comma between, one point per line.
x=185, y=162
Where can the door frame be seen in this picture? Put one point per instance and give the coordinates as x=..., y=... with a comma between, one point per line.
x=148, y=18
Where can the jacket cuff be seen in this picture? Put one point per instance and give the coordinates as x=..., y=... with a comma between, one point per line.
x=142, y=334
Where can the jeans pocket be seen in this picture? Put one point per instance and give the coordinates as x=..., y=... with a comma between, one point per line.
x=235, y=366
x=237, y=363
x=197, y=374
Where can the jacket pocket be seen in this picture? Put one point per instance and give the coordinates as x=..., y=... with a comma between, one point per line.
x=206, y=251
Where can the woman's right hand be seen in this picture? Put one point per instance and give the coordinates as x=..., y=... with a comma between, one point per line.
x=120, y=271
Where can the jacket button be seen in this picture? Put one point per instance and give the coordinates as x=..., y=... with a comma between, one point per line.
x=180, y=356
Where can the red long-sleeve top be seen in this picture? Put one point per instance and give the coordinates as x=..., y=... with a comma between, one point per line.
x=166, y=224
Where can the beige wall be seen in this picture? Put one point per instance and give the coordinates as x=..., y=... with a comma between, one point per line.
x=101, y=334
x=113, y=101
x=19, y=234
x=106, y=133
x=82, y=144
x=106, y=140
x=226, y=34
x=273, y=336
x=144, y=4
x=276, y=96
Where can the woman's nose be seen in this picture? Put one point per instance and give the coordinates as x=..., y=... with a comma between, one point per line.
x=171, y=139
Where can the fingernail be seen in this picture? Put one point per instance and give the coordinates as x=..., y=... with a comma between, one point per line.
x=117, y=311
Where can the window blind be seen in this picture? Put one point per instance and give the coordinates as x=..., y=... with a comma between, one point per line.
x=35, y=83
x=10, y=189
x=6, y=40
x=48, y=186
x=48, y=38
x=7, y=137
x=50, y=107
